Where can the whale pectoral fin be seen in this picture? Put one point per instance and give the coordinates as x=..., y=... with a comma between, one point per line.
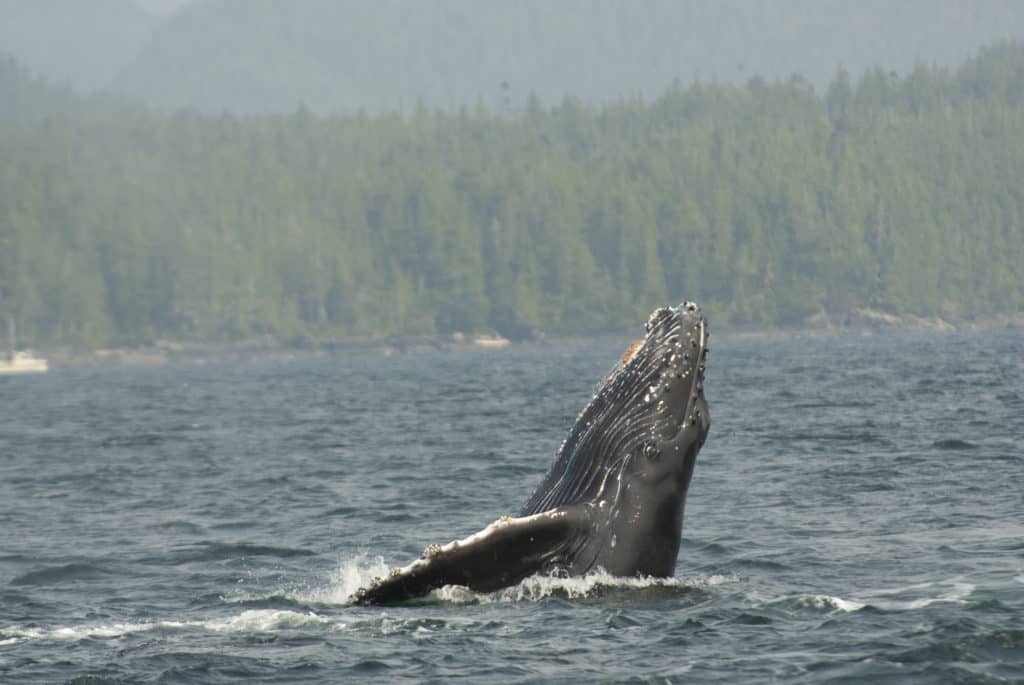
x=500, y=555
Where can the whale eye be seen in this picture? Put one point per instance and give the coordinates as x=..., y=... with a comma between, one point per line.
x=650, y=450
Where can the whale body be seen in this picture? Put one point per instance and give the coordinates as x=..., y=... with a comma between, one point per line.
x=613, y=499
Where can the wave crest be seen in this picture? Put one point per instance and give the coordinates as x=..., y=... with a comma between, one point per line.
x=827, y=603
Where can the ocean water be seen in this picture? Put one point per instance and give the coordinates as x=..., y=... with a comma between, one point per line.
x=857, y=515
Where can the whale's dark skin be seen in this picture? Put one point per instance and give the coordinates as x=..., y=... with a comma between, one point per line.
x=614, y=496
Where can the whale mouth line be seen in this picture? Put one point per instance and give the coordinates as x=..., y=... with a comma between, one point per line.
x=689, y=417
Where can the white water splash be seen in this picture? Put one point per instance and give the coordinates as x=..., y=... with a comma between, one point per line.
x=268, y=621
x=846, y=605
x=357, y=572
x=351, y=575
x=536, y=588
x=828, y=602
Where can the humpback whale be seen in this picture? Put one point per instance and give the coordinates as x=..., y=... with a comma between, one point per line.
x=613, y=498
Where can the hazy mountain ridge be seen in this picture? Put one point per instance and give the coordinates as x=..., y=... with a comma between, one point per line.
x=345, y=55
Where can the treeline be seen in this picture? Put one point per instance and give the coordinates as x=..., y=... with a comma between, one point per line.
x=768, y=203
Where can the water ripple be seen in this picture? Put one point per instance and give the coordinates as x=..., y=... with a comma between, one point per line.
x=853, y=517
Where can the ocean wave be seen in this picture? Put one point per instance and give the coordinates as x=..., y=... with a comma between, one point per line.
x=15, y=634
x=65, y=573
x=897, y=600
x=1006, y=646
x=890, y=599
x=249, y=621
x=817, y=603
x=218, y=551
x=954, y=444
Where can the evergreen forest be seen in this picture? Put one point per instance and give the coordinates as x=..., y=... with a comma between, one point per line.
x=767, y=202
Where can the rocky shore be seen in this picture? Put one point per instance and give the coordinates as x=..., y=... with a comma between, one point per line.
x=862, y=321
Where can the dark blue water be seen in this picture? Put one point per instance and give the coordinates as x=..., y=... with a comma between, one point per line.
x=857, y=514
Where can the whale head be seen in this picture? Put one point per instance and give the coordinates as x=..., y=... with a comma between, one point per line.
x=648, y=420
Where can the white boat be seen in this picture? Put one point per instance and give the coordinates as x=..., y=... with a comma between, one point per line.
x=490, y=341
x=23, y=362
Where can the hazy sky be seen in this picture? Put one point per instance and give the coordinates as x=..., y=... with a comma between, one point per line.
x=162, y=5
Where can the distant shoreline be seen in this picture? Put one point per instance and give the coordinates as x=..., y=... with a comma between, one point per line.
x=863, y=322
x=866, y=322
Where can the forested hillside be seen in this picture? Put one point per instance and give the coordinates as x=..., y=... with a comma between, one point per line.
x=765, y=202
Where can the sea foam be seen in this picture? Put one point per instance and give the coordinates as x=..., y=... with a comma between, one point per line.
x=359, y=571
